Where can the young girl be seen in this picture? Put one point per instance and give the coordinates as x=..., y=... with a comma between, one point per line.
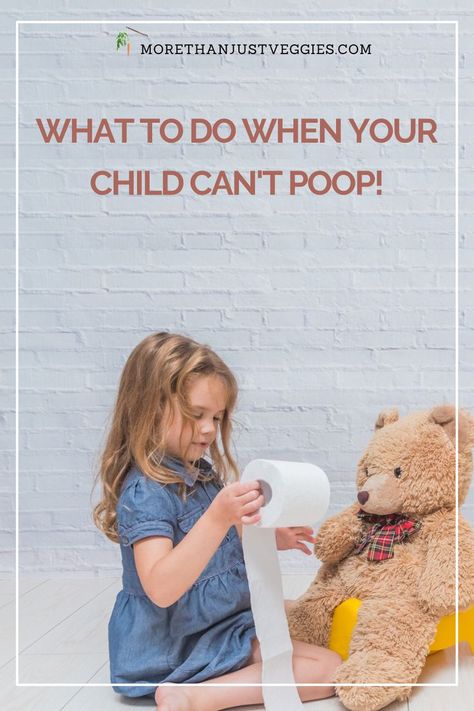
x=184, y=614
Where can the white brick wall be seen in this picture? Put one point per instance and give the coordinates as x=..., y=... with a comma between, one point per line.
x=328, y=309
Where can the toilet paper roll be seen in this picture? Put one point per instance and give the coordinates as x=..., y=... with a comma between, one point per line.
x=295, y=494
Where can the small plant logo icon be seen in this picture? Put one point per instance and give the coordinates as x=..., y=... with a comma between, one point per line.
x=123, y=40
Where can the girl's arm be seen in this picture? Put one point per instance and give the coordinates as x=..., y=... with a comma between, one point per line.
x=166, y=573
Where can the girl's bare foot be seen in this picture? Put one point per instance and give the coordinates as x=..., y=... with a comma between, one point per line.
x=173, y=698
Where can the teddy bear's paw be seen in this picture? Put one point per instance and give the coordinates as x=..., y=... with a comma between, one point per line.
x=370, y=667
x=437, y=602
x=309, y=622
x=302, y=626
x=370, y=698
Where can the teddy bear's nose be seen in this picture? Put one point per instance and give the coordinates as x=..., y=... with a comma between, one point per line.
x=363, y=496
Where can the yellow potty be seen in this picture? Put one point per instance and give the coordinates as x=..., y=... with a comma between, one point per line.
x=345, y=617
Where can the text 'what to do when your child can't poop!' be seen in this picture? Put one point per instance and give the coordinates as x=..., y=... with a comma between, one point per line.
x=225, y=130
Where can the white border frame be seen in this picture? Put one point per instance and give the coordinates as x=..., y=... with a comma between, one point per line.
x=456, y=235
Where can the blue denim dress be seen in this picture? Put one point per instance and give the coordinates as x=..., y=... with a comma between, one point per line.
x=209, y=630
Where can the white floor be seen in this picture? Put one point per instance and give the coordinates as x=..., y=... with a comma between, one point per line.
x=63, y=639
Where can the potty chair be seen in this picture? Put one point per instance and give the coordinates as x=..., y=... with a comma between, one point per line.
x=345, y=618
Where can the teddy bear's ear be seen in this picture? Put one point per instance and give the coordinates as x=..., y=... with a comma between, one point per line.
x=445, y=416
x=386, y=417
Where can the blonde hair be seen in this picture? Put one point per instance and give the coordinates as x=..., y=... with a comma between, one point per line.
x=158, y=372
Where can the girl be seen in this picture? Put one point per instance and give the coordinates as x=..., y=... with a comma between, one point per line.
x=184, y=614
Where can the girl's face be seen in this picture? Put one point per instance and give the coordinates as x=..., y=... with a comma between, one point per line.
x=207, y=397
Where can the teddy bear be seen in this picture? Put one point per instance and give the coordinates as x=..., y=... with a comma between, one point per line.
x=394, y=549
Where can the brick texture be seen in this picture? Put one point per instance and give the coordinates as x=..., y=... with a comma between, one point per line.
x=328, y=309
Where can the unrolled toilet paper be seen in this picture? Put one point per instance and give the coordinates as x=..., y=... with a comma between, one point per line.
x=296, y=494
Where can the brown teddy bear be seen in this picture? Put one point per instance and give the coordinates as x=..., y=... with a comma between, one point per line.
x=395, y=550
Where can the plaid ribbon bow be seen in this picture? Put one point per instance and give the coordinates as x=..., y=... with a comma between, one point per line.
x=385, y=532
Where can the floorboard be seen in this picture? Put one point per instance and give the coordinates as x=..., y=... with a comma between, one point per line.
x=440, y=668
x=15, y=698
x=63, y=632
x=51, y=615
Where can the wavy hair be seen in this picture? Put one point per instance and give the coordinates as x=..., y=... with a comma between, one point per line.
x=157, y=373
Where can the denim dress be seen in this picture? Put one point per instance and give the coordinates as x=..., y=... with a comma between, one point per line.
x=209, y=630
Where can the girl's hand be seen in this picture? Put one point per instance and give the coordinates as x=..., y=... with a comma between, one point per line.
x=289, y=538
x=237, y=503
